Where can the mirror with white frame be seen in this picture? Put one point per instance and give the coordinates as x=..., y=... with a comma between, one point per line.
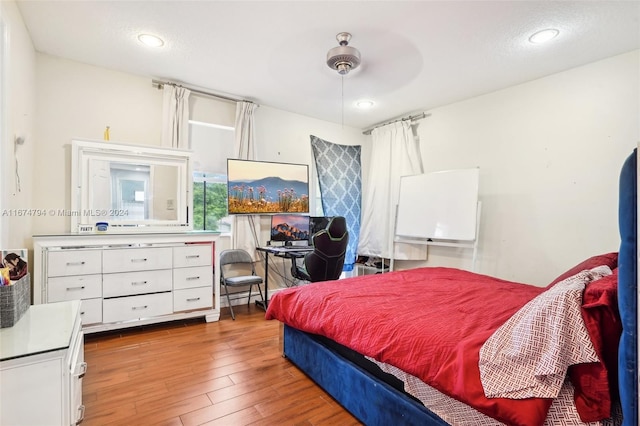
x=131, y=187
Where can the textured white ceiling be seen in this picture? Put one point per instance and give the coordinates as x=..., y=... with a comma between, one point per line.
x=416, y=55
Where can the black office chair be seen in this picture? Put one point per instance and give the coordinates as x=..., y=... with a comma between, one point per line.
x=237, y=270
x=326, y=260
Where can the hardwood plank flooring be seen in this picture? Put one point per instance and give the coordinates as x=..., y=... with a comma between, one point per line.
x=188, y=373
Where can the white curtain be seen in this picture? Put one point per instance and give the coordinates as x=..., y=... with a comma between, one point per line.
x=175, y=113
x=395, y=153
x=246, y=229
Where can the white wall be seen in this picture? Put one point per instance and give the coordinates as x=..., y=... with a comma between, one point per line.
x=285, y=137
x=76, y=100
x=18, y=115
x=549, y=153
x=549, y=150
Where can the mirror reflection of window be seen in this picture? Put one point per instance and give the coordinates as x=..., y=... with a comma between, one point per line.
x=125, y=185
x=132, y=191
x=130, y=184
x=165, y=189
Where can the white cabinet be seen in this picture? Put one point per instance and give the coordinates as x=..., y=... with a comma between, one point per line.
x=74, y=262
x=139, y=307
x=136, y=259
x=197, y=276
x=132, y=283
x=127, y=280
x=41, y=367
x=191, y=278
x=77, y=275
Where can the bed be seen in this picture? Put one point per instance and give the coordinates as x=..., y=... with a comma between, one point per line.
x=561, y=354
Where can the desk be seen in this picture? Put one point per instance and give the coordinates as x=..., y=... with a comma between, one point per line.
x=288, y=253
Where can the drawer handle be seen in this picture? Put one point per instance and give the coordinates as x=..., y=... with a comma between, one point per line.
x=193, y=278
x=139, y=283
x=193, y=299
x=83, y=370
x=82, y=262
x=136, y=308
x=75, y=288
x=81, y=411
x=193, y=256
x=142, y=259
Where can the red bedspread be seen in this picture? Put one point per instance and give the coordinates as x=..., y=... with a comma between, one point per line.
x=429, y=322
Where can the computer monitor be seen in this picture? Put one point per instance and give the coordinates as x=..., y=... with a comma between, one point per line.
x=289, y=227
x=317, y=223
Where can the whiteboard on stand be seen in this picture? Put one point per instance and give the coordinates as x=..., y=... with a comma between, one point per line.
x=439, y=205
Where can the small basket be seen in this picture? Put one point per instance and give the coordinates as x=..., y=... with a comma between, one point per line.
x=14, y=301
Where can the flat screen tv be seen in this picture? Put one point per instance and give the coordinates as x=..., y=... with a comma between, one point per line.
x=289, y=227
x=262, y=187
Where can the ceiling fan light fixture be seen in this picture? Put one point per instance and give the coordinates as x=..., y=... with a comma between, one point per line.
x=343, y=58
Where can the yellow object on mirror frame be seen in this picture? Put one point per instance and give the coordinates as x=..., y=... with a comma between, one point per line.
x=106, y=134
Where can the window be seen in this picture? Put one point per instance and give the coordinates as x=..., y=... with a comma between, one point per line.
x=210, y=202
x=211, y=145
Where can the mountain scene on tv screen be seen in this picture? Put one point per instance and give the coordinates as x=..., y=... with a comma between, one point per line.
x=268, y=195
x=286, y=232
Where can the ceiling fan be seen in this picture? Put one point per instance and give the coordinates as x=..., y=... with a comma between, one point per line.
x=343, y=58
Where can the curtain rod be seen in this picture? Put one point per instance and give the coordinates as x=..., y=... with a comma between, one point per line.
x=410, y=118
x=198, y=91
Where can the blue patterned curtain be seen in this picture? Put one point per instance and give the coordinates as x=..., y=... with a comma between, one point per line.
x=340, y=179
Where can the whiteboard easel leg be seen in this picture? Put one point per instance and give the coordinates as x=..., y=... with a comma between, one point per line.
x=475, y=243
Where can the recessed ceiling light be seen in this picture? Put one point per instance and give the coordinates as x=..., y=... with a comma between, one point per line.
x=544, y=36
x=364, y=104
x=151, y=40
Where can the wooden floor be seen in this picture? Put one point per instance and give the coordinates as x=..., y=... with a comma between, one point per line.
x=194, y=373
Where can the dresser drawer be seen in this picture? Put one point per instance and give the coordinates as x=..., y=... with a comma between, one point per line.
x=137, y=307
x=192, y=298
x=74, y=287
x=74, y=262
x=198, y=276
x=130, y=283
x=192, y=255
x=136, y=259
x=91, y=311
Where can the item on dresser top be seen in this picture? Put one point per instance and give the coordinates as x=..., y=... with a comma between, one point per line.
x=14, y=301
x=16, y=260
x=102, y=226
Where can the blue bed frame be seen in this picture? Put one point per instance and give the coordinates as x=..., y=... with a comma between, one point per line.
x=628, y=290
x=374, y=402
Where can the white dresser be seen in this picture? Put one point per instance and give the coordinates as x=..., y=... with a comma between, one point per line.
x=125, y=280
x=41, y=367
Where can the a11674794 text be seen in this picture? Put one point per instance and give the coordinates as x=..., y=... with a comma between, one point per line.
x=64, y=212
